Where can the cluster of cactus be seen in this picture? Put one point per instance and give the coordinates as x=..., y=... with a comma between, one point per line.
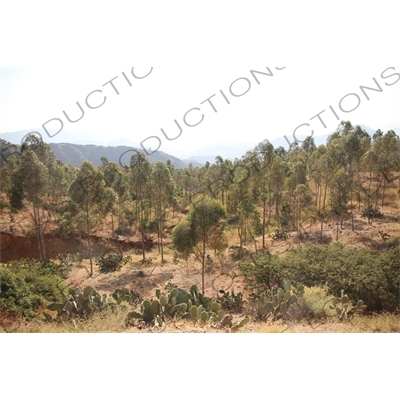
x=345, y=309
x=79, y=303
x=232, y=301
x=126, y=295
x=198, y=299
x=150, y=311
x=201, y=314
x=173, y=303
x=371, y=212
x=280, y=235
x=178, y=303
x=282, y=300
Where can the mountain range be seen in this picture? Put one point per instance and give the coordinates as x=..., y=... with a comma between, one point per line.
x=120, y=150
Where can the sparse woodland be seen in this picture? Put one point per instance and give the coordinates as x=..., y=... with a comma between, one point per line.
x=276, y=240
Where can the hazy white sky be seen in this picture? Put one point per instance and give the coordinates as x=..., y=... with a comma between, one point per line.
x=271, y=109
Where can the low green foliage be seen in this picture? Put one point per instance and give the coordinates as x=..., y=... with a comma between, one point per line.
x=26, y=285
x=371, y=212
x=370, y=275
x=238, y=253
x=112, y=262
x=280, y=235
x=262, y=272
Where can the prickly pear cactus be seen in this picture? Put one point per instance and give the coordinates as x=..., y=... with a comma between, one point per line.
x=80, y=303
x=343, y=307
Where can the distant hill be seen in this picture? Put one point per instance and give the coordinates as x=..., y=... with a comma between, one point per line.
x=76, y=154
x=121, y=150
x=194, y=162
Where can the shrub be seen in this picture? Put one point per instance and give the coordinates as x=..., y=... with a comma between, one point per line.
x=363, y=274
x=371, y=212
x=280, y=235
x=26, y=285
x=262, y=272
x=112, y=262
x=238, y=253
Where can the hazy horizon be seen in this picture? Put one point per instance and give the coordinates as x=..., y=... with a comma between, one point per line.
x=277, y=100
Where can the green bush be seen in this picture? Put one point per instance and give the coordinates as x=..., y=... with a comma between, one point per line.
x=238, y=253
x=262, y=272
x=363, y=274
x=112, y=262
x=26, y=285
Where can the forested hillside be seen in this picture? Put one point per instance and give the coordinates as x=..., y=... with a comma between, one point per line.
x=245, y=214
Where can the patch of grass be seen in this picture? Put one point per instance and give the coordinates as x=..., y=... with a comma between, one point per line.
x=317, y=299
x=105, y=322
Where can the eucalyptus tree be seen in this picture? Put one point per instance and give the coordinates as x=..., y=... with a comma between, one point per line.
x=387, y=155
x=140, y=186
x=339, y=189
x=6, y=172
x=260, y=161
x=218, y=179
x=321, y=169
x=355, y=142
x=116, y=180
x=295, y=190
x=249, y=222
x=197, y=234
x=27, y=192
x=163, y=190
x=278, y=172
x=37, y=185
x=91, y=201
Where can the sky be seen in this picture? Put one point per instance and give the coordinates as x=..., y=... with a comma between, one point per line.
x=261, y=106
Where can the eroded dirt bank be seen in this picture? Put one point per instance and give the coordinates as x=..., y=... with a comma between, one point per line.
x=16, y=247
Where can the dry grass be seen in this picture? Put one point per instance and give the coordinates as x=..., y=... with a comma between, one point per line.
x=113, y=322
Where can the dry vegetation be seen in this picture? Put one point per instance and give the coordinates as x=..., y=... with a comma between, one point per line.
x=301, y=205
x=145, y=278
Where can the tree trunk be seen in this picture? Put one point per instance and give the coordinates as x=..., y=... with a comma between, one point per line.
x=90, y=256
x=322, y=226
x=161, y=246
x=383, y=193
x=263, y=227
x=203, y=269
